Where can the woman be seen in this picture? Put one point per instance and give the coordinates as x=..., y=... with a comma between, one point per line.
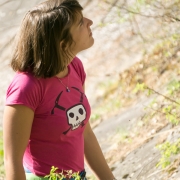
x=46, y=116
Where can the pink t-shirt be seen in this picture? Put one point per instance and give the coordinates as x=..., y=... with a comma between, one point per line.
x=59, y=119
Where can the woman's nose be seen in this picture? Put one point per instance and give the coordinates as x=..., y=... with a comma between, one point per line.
x=90, y=22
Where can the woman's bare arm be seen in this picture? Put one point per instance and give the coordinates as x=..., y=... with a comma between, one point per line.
x=17, y=122
x=94, y=156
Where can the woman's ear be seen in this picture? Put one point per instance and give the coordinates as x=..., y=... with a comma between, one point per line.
x=62, y=45
x=65, y=48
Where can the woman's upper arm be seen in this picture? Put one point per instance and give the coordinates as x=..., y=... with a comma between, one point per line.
x=17, y=122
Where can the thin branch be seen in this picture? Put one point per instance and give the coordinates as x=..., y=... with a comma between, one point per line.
x=166, y=97
x=166, y=131
x=140, y=14
x=137, y=177
x=138, y=29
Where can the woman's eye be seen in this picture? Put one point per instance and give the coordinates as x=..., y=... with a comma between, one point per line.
x=82, y=22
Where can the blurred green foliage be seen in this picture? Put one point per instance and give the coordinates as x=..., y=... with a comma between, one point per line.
x=168, y=150
x=1, y=156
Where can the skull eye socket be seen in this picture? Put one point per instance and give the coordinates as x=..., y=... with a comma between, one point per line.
x=81, y=111
x=71, y=115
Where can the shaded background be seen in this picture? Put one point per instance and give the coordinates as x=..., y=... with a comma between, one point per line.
x=126, y=32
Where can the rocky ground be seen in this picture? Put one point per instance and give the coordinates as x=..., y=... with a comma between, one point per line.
x=123, y=55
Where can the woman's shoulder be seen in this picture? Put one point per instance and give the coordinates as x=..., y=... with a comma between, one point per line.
x=77, y=64
x=25, y=75
x=76, y=61
x=24, y=89
x=24, y=80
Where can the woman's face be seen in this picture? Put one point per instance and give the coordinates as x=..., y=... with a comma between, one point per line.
x=81, y=34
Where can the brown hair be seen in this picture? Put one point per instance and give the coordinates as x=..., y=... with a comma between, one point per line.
x=38, y=46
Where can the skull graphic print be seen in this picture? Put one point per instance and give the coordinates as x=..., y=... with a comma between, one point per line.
x=76, y=114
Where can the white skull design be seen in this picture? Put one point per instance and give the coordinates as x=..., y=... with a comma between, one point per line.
x=76, y=115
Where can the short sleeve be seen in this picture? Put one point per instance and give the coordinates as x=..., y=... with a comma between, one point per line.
x=78, y=66
x=24, y=90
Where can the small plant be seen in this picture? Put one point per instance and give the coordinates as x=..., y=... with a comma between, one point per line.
x=170, y=108
x=139, y=87
x=172, y=117
x=173, y=87
x=54, y=175
x=1, y=157
x=167, y=151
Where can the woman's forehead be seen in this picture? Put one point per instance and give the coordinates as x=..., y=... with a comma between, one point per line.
x=78, y=17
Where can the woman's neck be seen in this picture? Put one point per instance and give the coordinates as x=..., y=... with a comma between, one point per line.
x=63, y=73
